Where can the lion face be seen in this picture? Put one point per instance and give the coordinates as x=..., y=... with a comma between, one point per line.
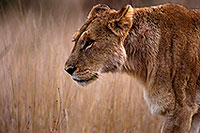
x=98, y=44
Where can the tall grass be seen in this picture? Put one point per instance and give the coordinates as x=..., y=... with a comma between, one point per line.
x=36, y=95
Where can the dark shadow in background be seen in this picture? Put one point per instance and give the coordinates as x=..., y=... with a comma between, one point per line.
x=86, y=5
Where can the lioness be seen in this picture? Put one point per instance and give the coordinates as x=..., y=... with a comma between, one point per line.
x=158, y=45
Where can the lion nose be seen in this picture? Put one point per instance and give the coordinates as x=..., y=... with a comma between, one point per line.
x=71, y=69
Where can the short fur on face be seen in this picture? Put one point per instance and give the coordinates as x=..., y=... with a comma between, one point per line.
x=99, y=43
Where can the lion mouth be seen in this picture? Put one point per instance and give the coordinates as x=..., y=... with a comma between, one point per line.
x=84, y=82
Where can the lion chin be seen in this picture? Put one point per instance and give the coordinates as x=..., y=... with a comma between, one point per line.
x=85, y=81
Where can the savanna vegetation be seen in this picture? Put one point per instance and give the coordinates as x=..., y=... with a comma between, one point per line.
x=36, y=95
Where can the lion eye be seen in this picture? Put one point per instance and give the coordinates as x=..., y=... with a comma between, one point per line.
x=88, y=43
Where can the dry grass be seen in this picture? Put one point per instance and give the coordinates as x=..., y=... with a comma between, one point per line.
x=36, y=95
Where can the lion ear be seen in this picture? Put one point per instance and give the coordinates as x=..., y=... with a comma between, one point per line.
x=122, y=23
x=97, y=10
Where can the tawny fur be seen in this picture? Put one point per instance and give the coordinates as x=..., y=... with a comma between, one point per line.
x=158, y=45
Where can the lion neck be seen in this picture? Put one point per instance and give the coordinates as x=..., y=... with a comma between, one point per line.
x=141, y=47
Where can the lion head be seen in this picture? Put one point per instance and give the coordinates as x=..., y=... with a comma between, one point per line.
x=98, y=45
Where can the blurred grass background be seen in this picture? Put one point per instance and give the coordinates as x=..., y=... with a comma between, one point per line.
x=36, y=95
